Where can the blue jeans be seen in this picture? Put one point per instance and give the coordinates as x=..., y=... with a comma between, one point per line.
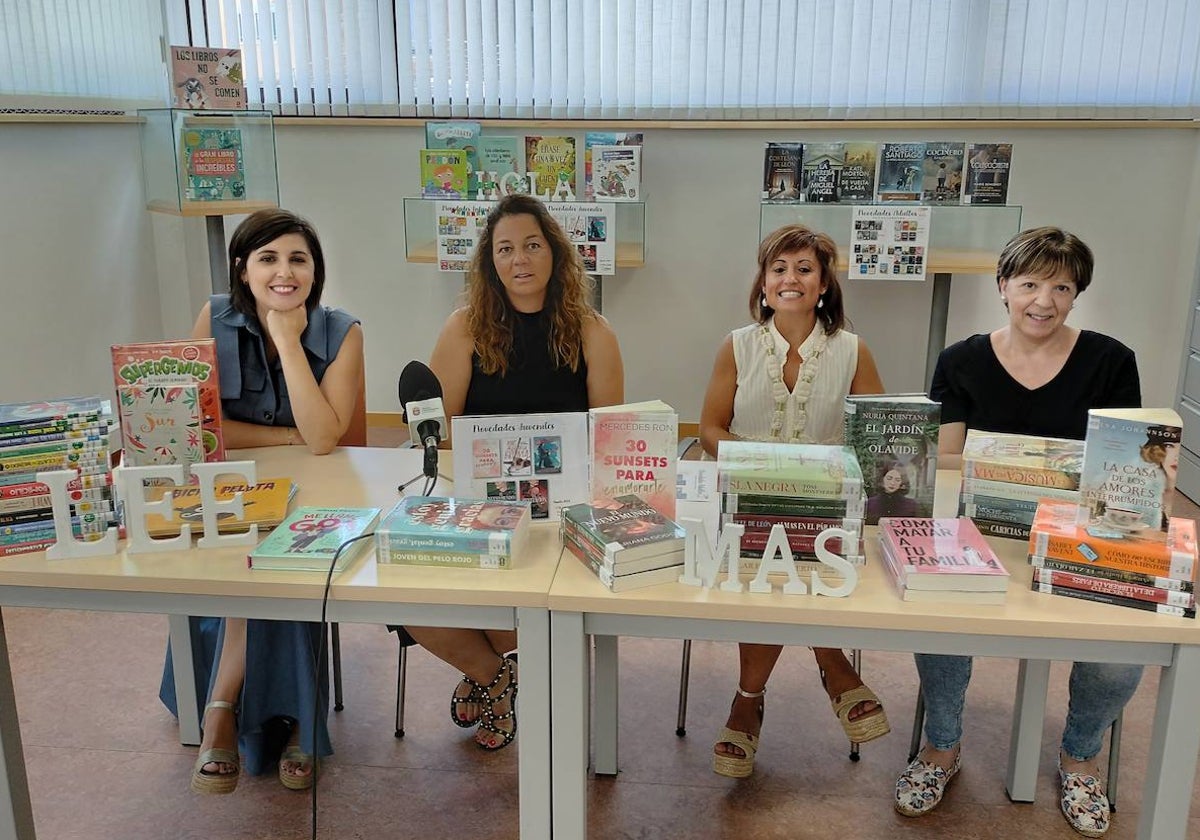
x=1098, y=692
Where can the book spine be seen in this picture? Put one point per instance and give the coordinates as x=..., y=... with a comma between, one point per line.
x=584, y=537
x=22, y=485
x=44, y=517
x=585, y=557
x=1088, y=583
x=51, y=461
x=1116, y=575
x=1033, y=476
x=757, y=541
x=832, y=490
x=88, y=434
x=1154, y=559
x=50, y=425
x=26, y=547
x=494, y=543
x=783, y=506
x=1006, y=530
x=975, y=487
x=1115, y=600
x=448, y=559
x=811, y=525
x=81, y=446
x=998, y=510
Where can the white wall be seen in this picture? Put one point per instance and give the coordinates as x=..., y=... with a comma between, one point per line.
x=1132, y=194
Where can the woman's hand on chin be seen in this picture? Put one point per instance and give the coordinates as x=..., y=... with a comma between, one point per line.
x=286, y=324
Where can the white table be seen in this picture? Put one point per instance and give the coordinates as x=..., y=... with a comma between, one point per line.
x=217, y=582
x=1030, y=626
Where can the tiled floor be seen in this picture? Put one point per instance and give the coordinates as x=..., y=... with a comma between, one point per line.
x=104, y=760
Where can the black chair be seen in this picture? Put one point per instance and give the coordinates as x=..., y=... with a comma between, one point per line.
x=1114, y=748
x=406, y=641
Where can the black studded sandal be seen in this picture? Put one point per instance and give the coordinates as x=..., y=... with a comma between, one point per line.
x=489, y=718
x=457, y=701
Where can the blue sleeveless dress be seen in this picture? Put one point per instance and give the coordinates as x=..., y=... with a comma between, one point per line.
x=282, y=673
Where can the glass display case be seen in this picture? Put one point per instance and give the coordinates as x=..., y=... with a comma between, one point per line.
x=420, y=231
x=208, y=163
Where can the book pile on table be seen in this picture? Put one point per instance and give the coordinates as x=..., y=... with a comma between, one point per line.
x=941, y=560
x=1005, y=475
x=457, y=533
x=806, y=488
x=66, y=434
x=625, y=541
x=1120, y=545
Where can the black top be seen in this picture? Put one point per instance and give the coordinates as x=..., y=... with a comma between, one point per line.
x=974, y=388
x=533, y=384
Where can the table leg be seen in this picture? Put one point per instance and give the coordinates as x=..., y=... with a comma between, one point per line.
x=1029, y=713
x=1174, y=742
x=939, y=311
x=604, y=706
x=533, y=744
x=569, y=707
x=185, y=680
x=16, y=815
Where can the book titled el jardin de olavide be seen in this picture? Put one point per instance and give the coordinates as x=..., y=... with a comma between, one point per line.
x=190, y=361
x=1130, y=456
x=205, y=78
x=895, y=438
x=214, y=168
x=634, y=449
x=309, y=538
x=264, y=504
x=941, y=559
x=462, y=533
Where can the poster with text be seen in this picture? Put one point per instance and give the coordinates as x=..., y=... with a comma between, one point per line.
x=591, y=227
x=206, y=78
x=889, y=243
x=460, y=225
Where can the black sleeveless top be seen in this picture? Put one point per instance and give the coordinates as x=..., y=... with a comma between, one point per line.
x=533, y=384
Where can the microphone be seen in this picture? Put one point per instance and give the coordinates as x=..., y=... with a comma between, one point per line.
x=421, y=402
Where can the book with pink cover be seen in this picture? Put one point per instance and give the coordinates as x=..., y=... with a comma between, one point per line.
x=940, y=554
x=634, y=449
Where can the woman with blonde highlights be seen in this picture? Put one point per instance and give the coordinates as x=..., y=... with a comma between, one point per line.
x=528, y=340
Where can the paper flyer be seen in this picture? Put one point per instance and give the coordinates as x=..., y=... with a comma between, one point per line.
x=889, y=243
x=460, y=224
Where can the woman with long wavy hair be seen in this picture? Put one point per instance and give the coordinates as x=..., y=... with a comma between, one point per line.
x=527, y=341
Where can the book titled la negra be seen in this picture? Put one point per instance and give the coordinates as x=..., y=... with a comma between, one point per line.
x=788, y=469
x=441, y=531
x=309, y=539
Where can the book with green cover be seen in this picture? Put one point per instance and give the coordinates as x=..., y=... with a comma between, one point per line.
x=213, y=165
x=463, y=135
x=895, y=437
x=788, y=469
x=623, y=529
x=464, y=526
x=309, y=538
x=444, y=173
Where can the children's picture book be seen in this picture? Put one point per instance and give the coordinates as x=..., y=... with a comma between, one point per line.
x=1056, y=533
x=1022, y=459
x=1130, y=460
x=895, y=438
x=493, y=531
x=783, y=172
x=444, y=173
x=309, y=538
x=858, y=172
x=591, y=140
x=822, y=172
x=788, y=469
x=191, y=361
x=264, y=504
x=617, y=173
x=988, y=166
x=500, y=165
x=943, y=181
x=941, y=554
x=160, y=424
x=622, y=529
x=552, y=160
x=206, y=78
x=537, y=458
x=214, y=169
x=901, y=167
x=463, y=135
x=634, y=449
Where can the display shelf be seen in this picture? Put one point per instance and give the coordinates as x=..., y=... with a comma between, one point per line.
x=963, y=239
x=241, y=145
x=420, y=231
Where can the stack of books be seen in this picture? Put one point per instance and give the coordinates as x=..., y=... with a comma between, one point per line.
x=1120, y=545
x=457, y=533
x=941, y=560
x=625, y=541
x=310, y=538
x=806, y=488
x=67, y=434
x=1005, y=475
